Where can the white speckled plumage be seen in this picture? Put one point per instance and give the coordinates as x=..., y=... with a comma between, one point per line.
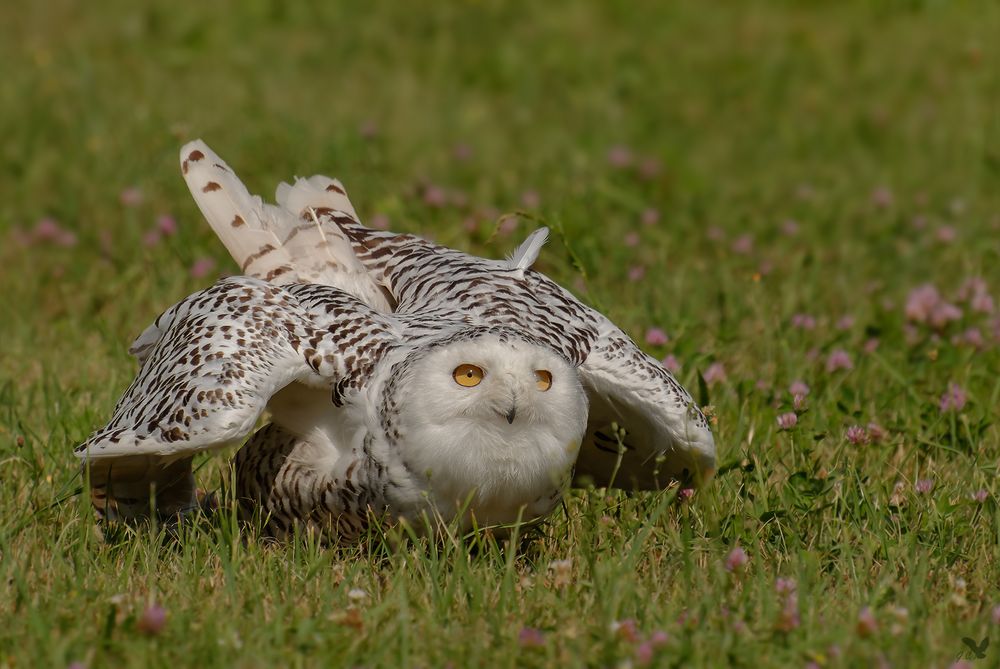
x=349, y=337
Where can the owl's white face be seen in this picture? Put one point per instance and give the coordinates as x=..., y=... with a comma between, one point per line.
x=497, y=424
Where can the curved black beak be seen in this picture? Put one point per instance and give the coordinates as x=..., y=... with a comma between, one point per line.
x=510, y=414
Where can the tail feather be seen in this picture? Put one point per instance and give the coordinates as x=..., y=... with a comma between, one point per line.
x=286, y=243
x=316, y=191
x=241, y=220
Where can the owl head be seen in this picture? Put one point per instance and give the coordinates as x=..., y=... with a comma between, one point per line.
x=493, y=420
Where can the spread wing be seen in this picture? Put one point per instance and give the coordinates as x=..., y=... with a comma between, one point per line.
x=211, y=363
x=644, y=430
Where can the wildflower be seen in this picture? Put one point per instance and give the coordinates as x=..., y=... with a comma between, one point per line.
x=659, y=638
x=798, y=402
x=561, y=572
x=980, y=496
x=716, y=373
x=995, y=615
x=787, y=421
x=919, y=222
x=789, y=618
x=461, y=152
x=946, y=234
x=898, y=498
x=434, y=196
x=973, y=337
x=152, y=620
x=636, y=273
x=982, y=303
x=790, y=228
x=201, y=267
x=900, y=615
x=626, y=629
x=924, y=486
x=379, y=222
x=953, y=399
x=671, y=363
x=508, y=225
x=619, y=156
x=798, y=388
x=656, y=337
x=151, y=238
x=876, y=433
x=784, y=586
x=921, y=302
x=48, y=230
x=974, y=285
x=684, y=494
x=357, y=595
x=944, y=313
x=631, y=239
x=803, y=322
x=866, y=626
x=644, y=654
x=131, y=197
x=743, y=245
x=530, y=199
x=870, y=345
x=882, y=197
x=736, y=560
x=166, y=224
x=715, y=233
x=838, y=359
x=529, y=637
x=845, y=322
x=649, y=168
x=649, y=216
x=857, y=435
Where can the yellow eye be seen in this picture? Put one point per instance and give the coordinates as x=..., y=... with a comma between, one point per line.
x=543, y=379
x=467, y=375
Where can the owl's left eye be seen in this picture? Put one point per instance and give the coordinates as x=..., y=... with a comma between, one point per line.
x=543, y=379
x=468, y=375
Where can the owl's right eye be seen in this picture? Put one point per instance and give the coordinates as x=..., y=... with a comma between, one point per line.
x=468, y=375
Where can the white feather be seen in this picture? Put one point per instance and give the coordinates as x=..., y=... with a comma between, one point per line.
x=524, y=256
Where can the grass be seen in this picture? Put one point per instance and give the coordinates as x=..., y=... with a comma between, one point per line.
x=874, y=126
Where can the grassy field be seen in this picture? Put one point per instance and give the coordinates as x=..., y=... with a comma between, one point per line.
x=805, y=197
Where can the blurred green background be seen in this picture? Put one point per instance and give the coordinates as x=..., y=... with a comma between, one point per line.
x=729, y=172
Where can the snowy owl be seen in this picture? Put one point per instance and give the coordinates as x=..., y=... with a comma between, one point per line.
x=400, y=378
